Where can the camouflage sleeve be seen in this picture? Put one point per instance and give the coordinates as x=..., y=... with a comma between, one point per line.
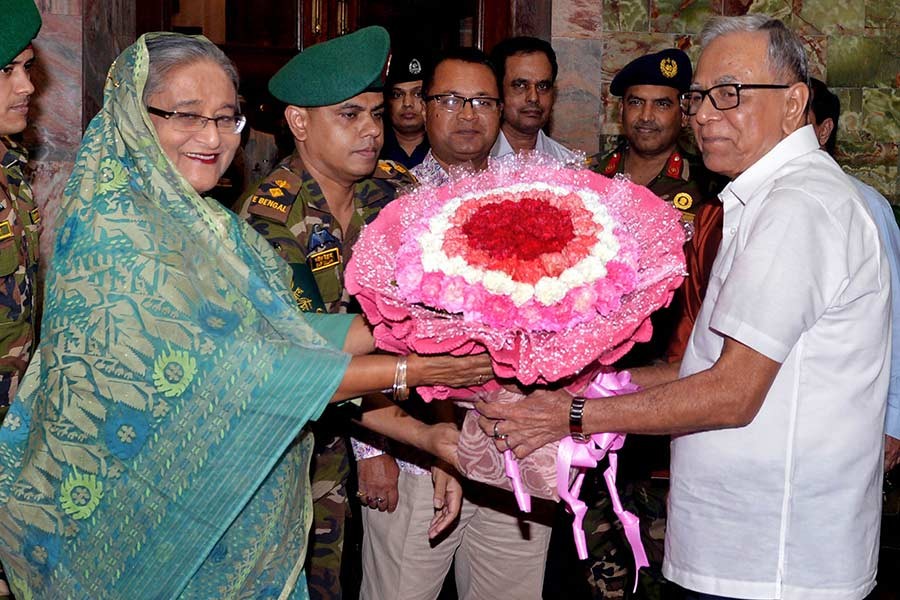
x=395, y=174
x=268, y=216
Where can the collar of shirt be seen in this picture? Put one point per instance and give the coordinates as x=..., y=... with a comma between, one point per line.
x=310, y=191
x=430, y=172
x=13, y=155
x=796, y=144
x=544, y=145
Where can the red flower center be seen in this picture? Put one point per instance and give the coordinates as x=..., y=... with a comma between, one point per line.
x=522, y=229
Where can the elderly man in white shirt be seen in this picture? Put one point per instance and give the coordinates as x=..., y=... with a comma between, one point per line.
x=526, y=73
x=780, y=399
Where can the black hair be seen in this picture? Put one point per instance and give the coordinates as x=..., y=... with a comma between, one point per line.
x=825, y=105
x=465, y=54
x=521, y=45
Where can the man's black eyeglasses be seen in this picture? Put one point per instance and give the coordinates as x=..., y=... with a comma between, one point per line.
x=724, y=96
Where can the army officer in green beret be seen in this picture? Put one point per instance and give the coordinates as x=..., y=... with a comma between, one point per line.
x=19, y=217
x=20, y=220
x=312, y=208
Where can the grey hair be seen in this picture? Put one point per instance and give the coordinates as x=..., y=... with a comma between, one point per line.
x=174, y=50
x=786, y=55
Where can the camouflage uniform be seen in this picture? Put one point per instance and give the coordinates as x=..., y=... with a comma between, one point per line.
x=686, y=184
x=289, y=209
x=19, y=249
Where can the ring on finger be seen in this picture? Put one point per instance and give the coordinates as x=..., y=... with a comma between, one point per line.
x=379, y=500
x=361, y=494
x=506, y=441
x=497, y=434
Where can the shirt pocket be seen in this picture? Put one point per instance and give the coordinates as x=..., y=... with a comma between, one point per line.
x=9, y=257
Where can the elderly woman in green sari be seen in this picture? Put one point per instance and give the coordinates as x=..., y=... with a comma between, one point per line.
x=156, y=447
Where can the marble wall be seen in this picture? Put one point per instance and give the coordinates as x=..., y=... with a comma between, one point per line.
x=853, y=45
x=54, y=131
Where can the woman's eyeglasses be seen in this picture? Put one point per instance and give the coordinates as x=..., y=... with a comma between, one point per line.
x=192, y=123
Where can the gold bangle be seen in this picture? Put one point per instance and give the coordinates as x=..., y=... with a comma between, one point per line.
x=400, y=390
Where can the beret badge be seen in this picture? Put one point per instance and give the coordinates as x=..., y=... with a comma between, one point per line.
x=668, y=67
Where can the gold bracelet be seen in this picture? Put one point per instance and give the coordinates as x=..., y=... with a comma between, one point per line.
x=400, y=390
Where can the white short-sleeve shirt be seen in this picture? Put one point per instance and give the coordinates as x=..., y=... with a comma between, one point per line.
x=789, y=506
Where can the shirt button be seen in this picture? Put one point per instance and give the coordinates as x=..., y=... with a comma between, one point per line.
x=733, y=230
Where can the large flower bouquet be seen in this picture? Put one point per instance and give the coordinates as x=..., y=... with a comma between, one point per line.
x=553, y=271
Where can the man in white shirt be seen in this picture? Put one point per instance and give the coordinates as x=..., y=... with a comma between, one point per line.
x=495, y=550
x=780, y=400
x=526, y=71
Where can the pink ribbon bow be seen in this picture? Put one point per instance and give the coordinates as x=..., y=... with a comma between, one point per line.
x=584, y=456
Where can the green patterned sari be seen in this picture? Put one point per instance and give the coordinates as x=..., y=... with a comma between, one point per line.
x=155, y=449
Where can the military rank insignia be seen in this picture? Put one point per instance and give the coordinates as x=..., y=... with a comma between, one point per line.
x=5, y=230
x=668, y=67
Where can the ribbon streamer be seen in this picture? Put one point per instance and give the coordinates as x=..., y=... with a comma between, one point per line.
x=584, y=456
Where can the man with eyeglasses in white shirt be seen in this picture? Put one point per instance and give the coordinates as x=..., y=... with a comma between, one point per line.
x=498, y=551
x=779, y=402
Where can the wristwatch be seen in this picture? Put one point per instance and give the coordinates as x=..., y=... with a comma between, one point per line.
x=576, y=411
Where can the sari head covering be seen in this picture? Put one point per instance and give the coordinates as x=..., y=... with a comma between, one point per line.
x=153, y=450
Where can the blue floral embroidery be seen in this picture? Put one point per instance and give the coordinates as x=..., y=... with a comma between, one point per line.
x=41, y=550
x=16, y=425
x=126, y=431
x=263, y=296
x=217, y=320
x=67, y=235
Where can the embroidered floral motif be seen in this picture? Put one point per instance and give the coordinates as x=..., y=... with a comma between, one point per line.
x=17, y=423
x=112, y=176
x=80, y=494
x=217, y=320
x=263, y=296
x=41, y=549
x=173, y=372
x=126, y=431
x=67, y=234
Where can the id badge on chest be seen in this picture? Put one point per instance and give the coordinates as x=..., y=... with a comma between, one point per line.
x=324, y=258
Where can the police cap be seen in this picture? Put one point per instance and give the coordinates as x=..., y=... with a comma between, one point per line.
x=20, y=22
x=406, y=66
x=335, y=70
x=671, y=68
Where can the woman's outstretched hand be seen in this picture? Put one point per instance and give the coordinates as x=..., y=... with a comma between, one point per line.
x=451, y=371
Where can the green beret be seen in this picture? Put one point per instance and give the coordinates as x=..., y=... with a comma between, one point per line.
x=671, y=68
x=20, y=22
x=335, y=70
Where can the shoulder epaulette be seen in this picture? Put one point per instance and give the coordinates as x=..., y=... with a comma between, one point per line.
x=393, y=171
x=275, y=195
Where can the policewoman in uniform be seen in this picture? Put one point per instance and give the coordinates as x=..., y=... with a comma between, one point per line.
x=311, y=208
